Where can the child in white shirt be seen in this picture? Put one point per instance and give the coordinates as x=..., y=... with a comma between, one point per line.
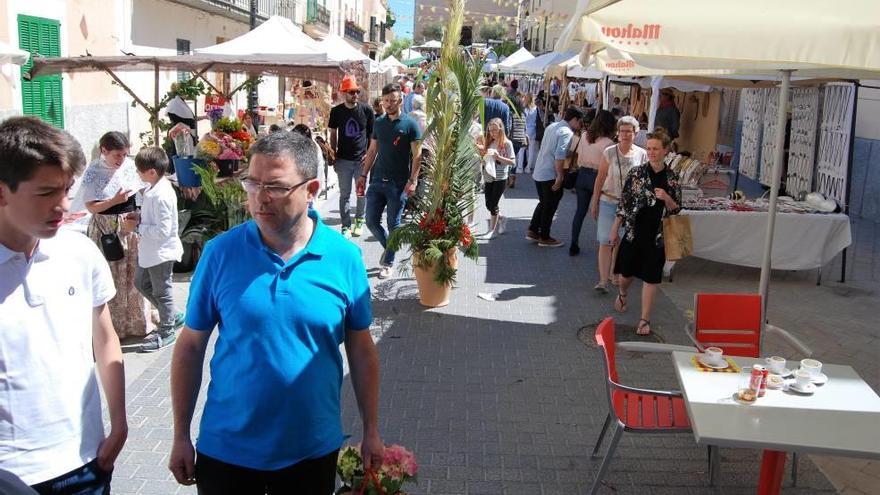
x=159, y=246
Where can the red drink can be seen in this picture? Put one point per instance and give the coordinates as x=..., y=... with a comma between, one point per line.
x=756, y=382
x=763, y=389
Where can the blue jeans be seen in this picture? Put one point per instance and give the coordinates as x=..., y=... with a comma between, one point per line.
x=85, y=480
x=381, y=195
x=586, y=179
x=347, y=171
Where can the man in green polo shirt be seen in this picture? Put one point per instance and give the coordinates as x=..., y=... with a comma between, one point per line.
x=394, y=158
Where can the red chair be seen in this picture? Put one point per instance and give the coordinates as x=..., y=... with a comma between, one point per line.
x=635, y=410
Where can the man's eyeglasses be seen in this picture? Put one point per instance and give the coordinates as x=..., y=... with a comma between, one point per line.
x=272, y=190
x=354, y=92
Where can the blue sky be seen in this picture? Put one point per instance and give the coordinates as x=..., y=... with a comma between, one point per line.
x=404, y=10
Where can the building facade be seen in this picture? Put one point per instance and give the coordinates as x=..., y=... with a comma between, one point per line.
x=542, y=21
x=89, y=104
x=477, y=13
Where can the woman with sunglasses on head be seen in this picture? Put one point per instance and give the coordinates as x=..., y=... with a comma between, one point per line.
x=613, y=168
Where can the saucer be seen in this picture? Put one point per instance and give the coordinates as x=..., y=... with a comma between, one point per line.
x=720, y=366
x=820, y=379
x=809, y=389
x=775, y=382
x=785, y=372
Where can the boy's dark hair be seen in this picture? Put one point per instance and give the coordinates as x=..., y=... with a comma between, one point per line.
x=275, y=128
x=114, y=140
x=573, y=112
x=27, y=143
x=152, y=158
x=390, y=88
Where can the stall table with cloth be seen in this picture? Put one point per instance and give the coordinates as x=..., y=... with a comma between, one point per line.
x=801, y=241
x=839, y=418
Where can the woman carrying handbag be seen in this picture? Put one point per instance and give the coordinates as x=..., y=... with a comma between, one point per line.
x=650, y=192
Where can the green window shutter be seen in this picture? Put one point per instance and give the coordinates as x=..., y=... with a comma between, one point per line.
x=42, y=97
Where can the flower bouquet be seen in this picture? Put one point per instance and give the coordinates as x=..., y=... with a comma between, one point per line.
x=225, y=145
x=398, y=467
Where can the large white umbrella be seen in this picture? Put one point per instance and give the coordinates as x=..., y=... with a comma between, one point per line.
x=431, y=45
x=12, y=55
x=811, y=38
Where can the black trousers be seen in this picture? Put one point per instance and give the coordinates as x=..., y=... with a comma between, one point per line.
x=493, y=192
x=312, y=476
x=548, y=202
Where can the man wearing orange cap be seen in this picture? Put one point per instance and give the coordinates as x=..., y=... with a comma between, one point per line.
x=350, y=123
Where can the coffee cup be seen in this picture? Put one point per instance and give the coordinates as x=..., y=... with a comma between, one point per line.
x=776, y=364
x=802, y=379
x=714, y=355
x=811, y=366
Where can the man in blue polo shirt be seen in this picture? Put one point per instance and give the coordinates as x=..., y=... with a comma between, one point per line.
x=286, y=291
x=394, y=156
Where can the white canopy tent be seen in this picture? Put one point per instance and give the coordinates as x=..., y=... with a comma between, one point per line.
x=514, y=58
x=430, y=45
x=12, y=55
x=804, y=37
x=409, y=54
x=539, y=64
x=277, y=39
x=392, y=61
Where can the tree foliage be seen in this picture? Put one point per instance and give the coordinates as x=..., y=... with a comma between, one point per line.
x=396, y=47
x=505, y=48
x=494, y=31
x=432, y=31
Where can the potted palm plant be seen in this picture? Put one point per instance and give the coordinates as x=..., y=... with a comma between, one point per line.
x=435, y=227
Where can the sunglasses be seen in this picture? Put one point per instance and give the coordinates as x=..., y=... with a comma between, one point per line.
x=354, y=92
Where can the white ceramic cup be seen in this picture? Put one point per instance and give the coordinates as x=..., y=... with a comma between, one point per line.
x=776, y=364
x=802, y=379
x=811, y=366
x=714, y=355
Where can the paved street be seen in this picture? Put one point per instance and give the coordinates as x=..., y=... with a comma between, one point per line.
x=506, y=397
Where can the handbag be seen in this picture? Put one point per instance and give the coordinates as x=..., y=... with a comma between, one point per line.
x=570, y=166
x=678, y=242
x=111, y=246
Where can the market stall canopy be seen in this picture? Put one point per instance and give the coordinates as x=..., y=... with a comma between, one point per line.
x=540, y=63
x=12, y=55
x=414, y=61
x=430, y=45
x=409, y=54
x=391, y=61
x=748, y=35
x=573, y=68
x=340, y=50
x=514, y=58
x=276, y=39
x=193, y=63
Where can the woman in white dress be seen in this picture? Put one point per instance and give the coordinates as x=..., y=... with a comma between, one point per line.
x=109, y=185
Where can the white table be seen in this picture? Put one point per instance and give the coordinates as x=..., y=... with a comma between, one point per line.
x=841, y=418
x=801, y=241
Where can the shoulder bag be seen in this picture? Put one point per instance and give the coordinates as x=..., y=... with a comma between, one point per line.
x=678, y=242
x=570, y=166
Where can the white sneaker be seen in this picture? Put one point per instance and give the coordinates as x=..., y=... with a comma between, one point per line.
x=502, y=225
x=489, y=235
x=385, y=272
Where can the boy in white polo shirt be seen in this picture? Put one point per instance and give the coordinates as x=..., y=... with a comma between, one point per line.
x=159, y=245
x=54, y=288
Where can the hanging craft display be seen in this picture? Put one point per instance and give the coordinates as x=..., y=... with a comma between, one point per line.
x=834, y=139
x=768, y=138
x=755, y=100
x=802, y=142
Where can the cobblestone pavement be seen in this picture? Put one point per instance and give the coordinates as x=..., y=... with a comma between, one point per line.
x=503, y=397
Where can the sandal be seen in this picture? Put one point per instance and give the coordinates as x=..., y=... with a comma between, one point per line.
x=601, y=287
x=620, y=302
x=644, y=327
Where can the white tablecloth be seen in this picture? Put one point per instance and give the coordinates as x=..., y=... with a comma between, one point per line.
x=801, y=241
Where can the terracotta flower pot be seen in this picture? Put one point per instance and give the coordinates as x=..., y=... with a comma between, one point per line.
x=431, y=293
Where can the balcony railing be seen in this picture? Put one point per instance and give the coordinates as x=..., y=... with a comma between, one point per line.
x=317, y=14
x=241, y=8
x=354, y=32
